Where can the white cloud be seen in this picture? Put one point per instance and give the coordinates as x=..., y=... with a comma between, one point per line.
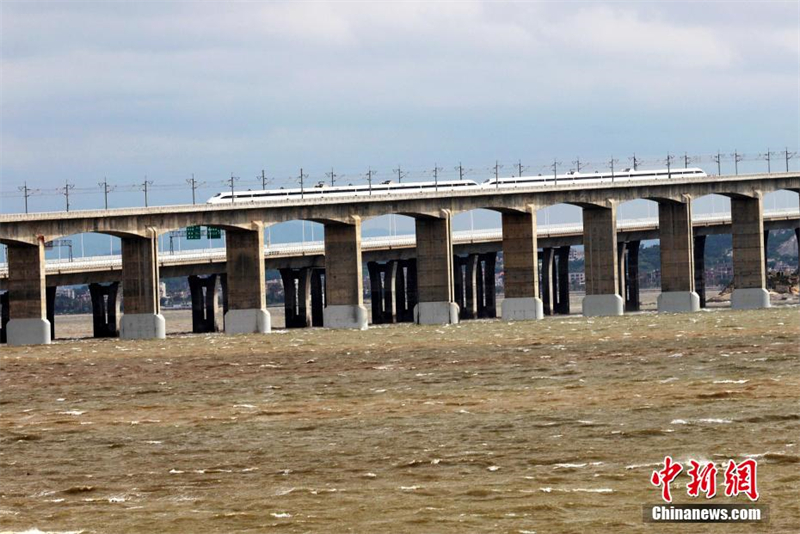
x=220, y=78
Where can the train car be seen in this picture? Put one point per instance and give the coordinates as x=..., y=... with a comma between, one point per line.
x=387, y=188
x=625, y=175
x=324, y=191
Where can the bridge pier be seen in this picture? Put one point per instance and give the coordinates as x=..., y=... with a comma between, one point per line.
x=562, y=255
x=297, y=297
x=458, y=284
x=677, y=258
x=521, y=293
x=406, y=290
x=4, y=317
x=435, y=271
x=466, y=279
x=383, y=288
x=317, y=296
x=622, y=270
x=205, y=303
x=471, y=281
x=632, y=302
x=344, y=306
x=749, y=277
x=27, y=296
x=548, y=300
x=487, y=292
x=766, y=259
x=142, y=318
x=797, y=242
x=699, y=247
x=600, y=259
x=223, y=284
x=247, y=300
x=105, y=309
x=50, y=292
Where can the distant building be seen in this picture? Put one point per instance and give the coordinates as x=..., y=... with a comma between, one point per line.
x=67, y=292
x=577, y=280
x=575, y=254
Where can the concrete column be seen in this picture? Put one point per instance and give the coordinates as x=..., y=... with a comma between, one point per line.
x=27, y=299
x=289, y=280
x=489, y=287
x=622, y=268
x=632, y=302
x=204, y=303
x=479, y=288
x=548, y=303
x=600, y=258
x=521, y=267
x=797, y=241
x=400, y=291
x=223, y=286
x=749, y=280
x=4, y=317
x=563, y=280
x=344, y=307
x=297, y=297
x=105, y=309
x=677, y=258
x=50, y=291
x=317, y=296
x=766, y=259
x=247, y=297
x=412, y=288
x=140, y=299
x=700, y=268
x=458, y=284
x=435, y=271
x=554, y=285
x=470, y=308
x=304, y=295
x=376, y=291
x=389, y=295
x=406, y=290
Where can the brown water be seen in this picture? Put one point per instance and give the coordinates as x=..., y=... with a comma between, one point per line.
x=552, y=426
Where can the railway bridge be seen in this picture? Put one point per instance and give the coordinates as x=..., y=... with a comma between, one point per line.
x=440, y=292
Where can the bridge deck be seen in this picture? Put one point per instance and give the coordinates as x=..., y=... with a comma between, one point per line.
x=316, y=248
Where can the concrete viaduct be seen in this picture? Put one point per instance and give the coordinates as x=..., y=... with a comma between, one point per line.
x=438, y=291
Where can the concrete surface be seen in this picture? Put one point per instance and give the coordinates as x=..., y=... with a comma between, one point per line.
x=28, y=332
x=142, y=326
x=601, y=305
x=678, y=302
x=255, y=321
x=750, y=299
x=345, y=316
x=522, y=309
x=436, y=313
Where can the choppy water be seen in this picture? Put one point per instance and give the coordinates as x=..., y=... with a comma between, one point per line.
x=552, y=426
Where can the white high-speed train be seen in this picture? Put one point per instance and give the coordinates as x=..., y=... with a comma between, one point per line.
x=388, y=188
x=626, y=175
x=321, y=190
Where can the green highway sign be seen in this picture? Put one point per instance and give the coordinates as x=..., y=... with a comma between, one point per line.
x=192, y=232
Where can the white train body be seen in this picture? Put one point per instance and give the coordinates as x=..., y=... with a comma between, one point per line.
x=626, y=175
x=388, y=188
x=345, y=191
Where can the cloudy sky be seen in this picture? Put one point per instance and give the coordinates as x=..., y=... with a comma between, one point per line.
x=167, y=89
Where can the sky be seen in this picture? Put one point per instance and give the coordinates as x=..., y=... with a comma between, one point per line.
x=158, y=91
